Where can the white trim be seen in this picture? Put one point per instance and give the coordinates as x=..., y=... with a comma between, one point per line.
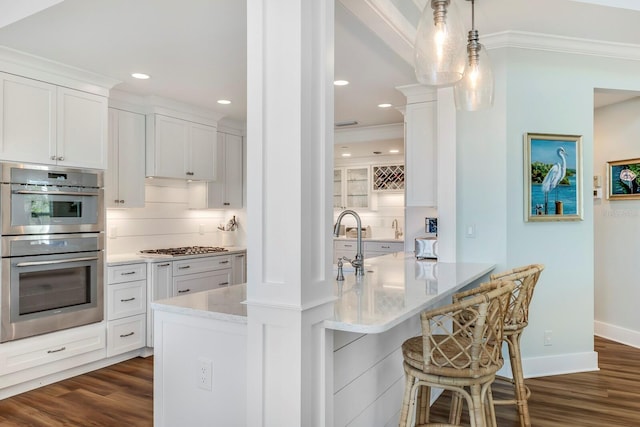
x=617, y=333
x=560, y=364
x=561, y=44
x=416, y=93
x=369, y=133
x=621, y=4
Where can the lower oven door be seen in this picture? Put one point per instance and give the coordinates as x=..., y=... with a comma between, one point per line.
x=47, y=293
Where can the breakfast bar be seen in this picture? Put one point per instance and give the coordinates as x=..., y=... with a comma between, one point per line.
x=205, y=335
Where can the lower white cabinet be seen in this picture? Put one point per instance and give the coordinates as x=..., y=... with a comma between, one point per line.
x=238, y=269
x=374, y=249
x=205, y=281
x=126, y=308
x=370, y=248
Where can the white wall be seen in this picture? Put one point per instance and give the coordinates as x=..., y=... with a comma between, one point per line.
x=546, y=92
x=617, y=228
x=166, y=221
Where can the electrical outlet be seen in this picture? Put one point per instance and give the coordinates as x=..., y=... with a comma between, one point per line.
x=548, y=337
x=205, y=373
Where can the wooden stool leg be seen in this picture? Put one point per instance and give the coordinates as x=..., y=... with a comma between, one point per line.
x=407, y=401
x=518, y=379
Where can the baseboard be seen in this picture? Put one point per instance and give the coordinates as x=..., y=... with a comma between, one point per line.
x=617, y=334
x=554, y=365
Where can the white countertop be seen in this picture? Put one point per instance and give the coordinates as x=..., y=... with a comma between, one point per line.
x=221, y=304
x=395, y=287
x=131, y=258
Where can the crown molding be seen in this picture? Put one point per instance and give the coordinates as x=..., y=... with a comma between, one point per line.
x=26, y=65
x=369, y=133
x=418, y=93
x=561, y=44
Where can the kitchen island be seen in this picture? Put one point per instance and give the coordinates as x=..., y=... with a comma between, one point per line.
x=200, y=352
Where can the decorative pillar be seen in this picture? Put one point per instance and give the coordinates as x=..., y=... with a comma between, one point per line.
x=289, y=211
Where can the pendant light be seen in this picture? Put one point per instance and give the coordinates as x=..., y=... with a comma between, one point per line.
x=439, y=45
x=475, y=90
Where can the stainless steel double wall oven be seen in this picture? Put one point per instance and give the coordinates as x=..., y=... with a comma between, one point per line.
x=52, y=223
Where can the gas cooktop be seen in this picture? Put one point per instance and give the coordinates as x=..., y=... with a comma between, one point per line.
x=182, y=251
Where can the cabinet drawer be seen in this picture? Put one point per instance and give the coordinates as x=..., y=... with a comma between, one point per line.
x=349, y=245
x=126, y=299
x=386, y=247
x=199, y=265
x=126, y=334
x=41, y=350
x=201, y=281
x=126, y=273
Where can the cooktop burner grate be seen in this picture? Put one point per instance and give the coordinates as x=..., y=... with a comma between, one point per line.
x=182, y=251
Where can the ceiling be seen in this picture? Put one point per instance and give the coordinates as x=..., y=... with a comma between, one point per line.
x=195, y=50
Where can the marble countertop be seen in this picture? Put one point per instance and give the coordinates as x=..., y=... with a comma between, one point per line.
x=221, y=304
x=130, y=258
x=395, y=287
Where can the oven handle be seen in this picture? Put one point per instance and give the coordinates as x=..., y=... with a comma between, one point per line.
x=57, y=261
x=56, y=193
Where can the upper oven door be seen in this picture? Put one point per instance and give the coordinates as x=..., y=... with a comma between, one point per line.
x=33, y=209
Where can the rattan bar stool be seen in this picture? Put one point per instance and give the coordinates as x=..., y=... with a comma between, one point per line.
x=516, y=319
x=459, y=350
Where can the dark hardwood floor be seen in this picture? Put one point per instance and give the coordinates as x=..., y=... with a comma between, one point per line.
x=121, y=395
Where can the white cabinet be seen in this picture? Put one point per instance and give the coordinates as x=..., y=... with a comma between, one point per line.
x=126, y=308
x=159, y=286
x=420, y=154
x=180, y=149
x=226, y=191
x=351, y=187
x=49, y=124
x=239, y=269
x=370, y=248
x=201, y=274
x=124, y=177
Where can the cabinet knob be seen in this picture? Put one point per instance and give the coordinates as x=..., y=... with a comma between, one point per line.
x=190, y=173
x=116, y=201
x=226, y=203
x=53, y=157
x=61, y=158
x=121, y=201
x=183, y=291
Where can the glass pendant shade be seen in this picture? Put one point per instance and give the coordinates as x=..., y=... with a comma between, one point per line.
x=475, y=91
x=440, y=44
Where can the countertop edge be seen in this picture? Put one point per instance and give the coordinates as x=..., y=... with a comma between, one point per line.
x=134, y=258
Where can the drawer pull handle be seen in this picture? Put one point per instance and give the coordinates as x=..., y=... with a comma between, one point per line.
x=348, y=246
x=127, y=273
x=57, y=351
x=223, y=283
x=385, y=247
x=184, y=267
x=164, y=265
x=126, y=335
x=127, y=300
x=183, y=291
x=239, y=256
x=224, y=262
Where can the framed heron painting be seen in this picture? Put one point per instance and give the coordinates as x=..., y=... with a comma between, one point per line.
x=623, y=179
x=553, y=177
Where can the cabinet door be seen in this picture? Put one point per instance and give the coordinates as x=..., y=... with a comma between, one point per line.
x=357, y=187
x=239, y=269
x=169, y=144
x=27, y=120
x=82, y=129
x=202, y=152
x=160, y=286
x=338, y=202
x=130, y=166
x=233, y=171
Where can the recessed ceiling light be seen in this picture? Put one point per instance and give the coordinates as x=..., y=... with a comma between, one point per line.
x=140, y=76
x=340, y=82
x=346, y=154
x=393, y=151
x=224, y=101
x=384, y=105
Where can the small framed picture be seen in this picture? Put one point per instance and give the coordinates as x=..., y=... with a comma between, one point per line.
x=623, y=179
x=553, y=177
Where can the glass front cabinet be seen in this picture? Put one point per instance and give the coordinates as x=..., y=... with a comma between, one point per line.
x=351, y=187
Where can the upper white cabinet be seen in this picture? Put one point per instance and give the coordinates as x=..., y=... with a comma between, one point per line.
x=351, y=187
x=124, y=178
x=49, y=124
x=180, y=149
x=225, y=192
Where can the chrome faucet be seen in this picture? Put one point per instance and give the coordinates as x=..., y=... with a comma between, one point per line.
x=358, y=262
x=394, y=225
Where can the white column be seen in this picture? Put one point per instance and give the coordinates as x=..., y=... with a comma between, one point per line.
x=289, y=210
